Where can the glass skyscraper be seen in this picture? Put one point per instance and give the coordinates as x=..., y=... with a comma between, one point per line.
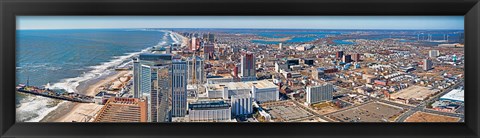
x=179, y=85
x=196, y=73
x=147, y=70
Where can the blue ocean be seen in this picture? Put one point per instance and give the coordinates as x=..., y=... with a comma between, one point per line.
x=65, y=58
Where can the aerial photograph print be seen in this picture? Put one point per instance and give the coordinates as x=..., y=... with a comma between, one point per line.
x=237, y=69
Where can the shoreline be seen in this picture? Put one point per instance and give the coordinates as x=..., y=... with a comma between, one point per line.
x=70, y=111
x=283, y=39
x=184, y=39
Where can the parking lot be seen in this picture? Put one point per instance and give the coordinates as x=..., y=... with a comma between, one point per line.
x=371, y=112
x=286, y=112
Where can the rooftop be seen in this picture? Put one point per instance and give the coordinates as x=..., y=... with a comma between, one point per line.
x=242, y=85
x=150, y=56
x=454, y=95
x=119, y=109
x=206, y=105
x=198, y=58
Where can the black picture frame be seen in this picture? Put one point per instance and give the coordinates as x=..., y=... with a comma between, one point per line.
x=470, y=9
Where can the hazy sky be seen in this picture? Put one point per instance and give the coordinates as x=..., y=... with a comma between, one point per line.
x=292, y=22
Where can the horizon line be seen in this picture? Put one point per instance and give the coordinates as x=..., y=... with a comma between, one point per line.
x=244, y=28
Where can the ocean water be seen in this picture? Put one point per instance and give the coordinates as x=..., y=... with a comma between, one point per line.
x=64, y=58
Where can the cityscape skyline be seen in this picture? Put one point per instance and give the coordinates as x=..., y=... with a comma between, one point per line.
x=243, y=22
x=243, y=75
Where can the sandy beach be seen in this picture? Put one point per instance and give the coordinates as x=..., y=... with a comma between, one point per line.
x=184, y=39
x=82, y=112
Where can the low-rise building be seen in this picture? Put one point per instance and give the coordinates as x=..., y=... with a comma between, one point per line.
x=209, y=111
x=261, y=91
x=119, y=109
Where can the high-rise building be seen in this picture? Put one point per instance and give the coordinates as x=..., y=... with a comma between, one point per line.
x=292, y=62
x=319, y=93
x=211, y=38
x=208, y=47
x=280, y=46
x=248, y=65
x=142, y=73
x=347, y=58
x=147, y=89
x=163, y=94
x=308, y=61
x=433, y=53
x=196, y=73
x=427, y=64
x=339, y=54
x=235, y=70
x=195, y=44
x=356, y=57
x=145, y=73
x=318, y=74
x=120, y=109
x=136, y=78
x=205, y=37
x=179, y=86
x=208, y=50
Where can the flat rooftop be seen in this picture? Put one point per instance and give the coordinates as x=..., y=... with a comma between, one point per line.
x=287, y=112
x=208, y=105
x=414, y=92
x=454, y=95
x=242, y=85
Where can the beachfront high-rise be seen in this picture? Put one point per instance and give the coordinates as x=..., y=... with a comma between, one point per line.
x=164, y=93
x=146, y=83
x=248, y=65
x=136, y=78
x=179, y=86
